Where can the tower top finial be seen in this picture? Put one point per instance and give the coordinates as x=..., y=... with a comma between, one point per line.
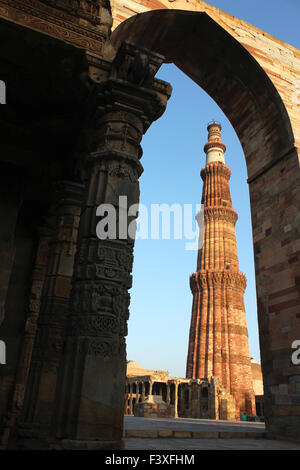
x=214, y=148
x=213, y=123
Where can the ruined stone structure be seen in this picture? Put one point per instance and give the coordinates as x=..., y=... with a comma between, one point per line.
x=218, y=339
x=78, y=101
x=154, y=394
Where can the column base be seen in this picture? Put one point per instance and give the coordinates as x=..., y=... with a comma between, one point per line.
x=28, y=436
x=44, y=443
x=23, y=443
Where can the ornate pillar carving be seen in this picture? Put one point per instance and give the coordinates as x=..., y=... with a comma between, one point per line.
x=38, y=278
x=89, y=400
x=10, y=202
x=34, y=424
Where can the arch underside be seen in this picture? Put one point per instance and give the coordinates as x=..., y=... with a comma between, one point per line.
x=218, y=63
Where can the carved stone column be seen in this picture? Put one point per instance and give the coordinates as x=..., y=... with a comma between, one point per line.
x=176, y=400
x=137, y=391
x=143, y=391
x=10, y=201
x=198, y=409
x=190, y=390
x=34, y=424
x=182, y=400
x=168, y=394
x=130, y=398
x=92, y=377
x=168, y=398
x=38, y=278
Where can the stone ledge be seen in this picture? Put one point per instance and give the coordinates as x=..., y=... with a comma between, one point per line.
x=182, y=434
x=143, y=433
x=164, y=433
x=206, y=435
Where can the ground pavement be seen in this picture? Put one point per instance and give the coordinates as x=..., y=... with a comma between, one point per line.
x=198, y=434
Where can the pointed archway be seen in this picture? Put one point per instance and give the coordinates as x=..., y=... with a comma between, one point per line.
x=218, y=63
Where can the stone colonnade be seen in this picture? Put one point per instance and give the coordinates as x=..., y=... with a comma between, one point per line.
x=195, y=398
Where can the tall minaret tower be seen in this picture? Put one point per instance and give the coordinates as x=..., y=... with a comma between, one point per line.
x=218, y=341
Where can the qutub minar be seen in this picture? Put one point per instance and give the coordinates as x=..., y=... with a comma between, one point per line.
x=218, y=338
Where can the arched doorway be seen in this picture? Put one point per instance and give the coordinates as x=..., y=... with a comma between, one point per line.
x=245, y=93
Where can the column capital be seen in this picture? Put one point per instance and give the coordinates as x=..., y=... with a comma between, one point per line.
x=121, y=109
x=135, y=68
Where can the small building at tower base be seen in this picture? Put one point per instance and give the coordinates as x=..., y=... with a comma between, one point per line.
x=155, y=394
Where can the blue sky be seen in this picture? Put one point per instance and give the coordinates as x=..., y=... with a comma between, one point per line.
x=161, y=299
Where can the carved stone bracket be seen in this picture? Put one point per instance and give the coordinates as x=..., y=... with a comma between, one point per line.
x=136, y=65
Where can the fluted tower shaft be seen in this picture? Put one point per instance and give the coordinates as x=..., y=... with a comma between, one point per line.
x=218, y=340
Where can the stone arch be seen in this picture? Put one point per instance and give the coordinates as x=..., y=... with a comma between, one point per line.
x=233, y=77
x=225, y=70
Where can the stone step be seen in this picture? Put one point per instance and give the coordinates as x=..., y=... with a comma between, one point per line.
x=169, y=433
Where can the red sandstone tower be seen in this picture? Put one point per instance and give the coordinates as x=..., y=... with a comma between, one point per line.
x=218, y=341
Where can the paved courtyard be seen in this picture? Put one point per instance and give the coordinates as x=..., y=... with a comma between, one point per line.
x=208, y=444
x=190, y=424
x=198, y=434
